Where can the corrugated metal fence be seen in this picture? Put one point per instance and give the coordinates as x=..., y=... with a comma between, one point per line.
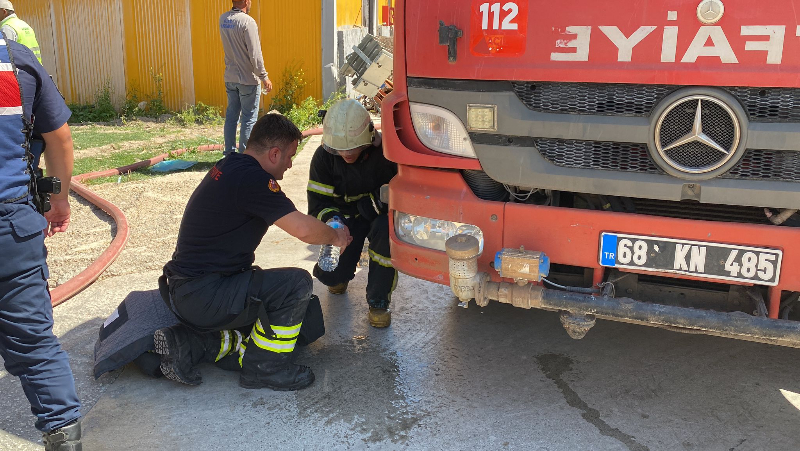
x=87, y=44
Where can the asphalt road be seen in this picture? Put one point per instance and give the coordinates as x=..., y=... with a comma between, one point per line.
x=441, y=377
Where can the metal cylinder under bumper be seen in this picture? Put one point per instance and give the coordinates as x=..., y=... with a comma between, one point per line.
x=731, y=325
x=463, y=252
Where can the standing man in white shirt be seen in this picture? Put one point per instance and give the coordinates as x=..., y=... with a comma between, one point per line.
x=244, y=72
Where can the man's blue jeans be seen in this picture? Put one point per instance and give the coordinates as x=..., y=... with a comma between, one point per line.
x=242, y=99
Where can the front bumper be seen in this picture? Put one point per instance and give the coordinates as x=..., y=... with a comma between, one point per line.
x=567, y=236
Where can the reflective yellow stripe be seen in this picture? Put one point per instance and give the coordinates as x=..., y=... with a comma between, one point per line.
x=239, y=341
x=225, y=346
x=380, y=259
x=242, y=349
x=286, y=331
x=320, y=188
x=274, y=345
x=355, y=198
x=326, y=211
x=279, y=331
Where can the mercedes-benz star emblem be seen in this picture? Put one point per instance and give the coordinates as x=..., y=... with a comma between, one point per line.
x=710, y=11
x=697, y=134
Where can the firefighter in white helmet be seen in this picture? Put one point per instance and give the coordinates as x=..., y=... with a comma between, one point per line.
x=347, y=172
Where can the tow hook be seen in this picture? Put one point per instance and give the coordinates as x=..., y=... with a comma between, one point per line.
x=577, y=325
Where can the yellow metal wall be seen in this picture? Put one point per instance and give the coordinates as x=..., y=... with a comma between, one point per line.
x=291, y=34
x=81, y=44
x=207, y=63
x=348, y=12
x=86, y=43
x=158, y=39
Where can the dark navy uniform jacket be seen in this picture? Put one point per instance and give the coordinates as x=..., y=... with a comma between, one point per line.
x=41, y=103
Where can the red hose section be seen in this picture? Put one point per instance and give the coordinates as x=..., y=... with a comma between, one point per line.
x=76, y=284
x=86, y=277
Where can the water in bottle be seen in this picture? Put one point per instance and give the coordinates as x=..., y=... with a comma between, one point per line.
x=329, y=254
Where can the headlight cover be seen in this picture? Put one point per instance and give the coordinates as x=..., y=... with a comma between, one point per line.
x=441, y=130
x=431, y=233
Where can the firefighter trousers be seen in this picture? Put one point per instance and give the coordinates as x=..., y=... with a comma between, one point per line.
x=382, y=277
x=268, y=305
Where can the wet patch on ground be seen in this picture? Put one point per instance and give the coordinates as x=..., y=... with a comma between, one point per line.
x=360, y=385
x=555, y=366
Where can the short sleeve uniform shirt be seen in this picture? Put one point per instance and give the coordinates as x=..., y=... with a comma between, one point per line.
x=226, y=218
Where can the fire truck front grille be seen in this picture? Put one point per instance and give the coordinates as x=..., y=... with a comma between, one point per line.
x=767, y=165
x=769, y=104
x=612, y=99
x=756, y=164
x=611, y=156
x=591, y=98
x=696, y=210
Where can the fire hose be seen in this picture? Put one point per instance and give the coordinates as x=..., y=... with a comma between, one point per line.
x=86, y=277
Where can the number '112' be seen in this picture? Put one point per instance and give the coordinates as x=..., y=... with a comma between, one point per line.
x=494, y=8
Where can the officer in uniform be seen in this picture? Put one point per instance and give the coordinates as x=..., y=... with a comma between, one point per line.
x=212, y=285
x=31, y=106
x=347, y=172
x=15, y=29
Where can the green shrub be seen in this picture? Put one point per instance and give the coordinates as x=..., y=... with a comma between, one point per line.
x=198, y=114
x=152, y=105
x=306, y=115
x=155, y=106
x=102, y=110
x=130, y=109
x=290, y=89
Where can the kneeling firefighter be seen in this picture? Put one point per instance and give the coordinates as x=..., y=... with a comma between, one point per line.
x=211, y=284
x=347, y=172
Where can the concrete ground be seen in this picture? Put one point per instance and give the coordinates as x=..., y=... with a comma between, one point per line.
x=440, y=377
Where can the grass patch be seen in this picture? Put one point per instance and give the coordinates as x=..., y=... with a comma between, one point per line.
x=90, y=136
x=126, y=157
x=205, y=160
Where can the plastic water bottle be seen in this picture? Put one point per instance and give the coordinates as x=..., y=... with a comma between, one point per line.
x=329, y=254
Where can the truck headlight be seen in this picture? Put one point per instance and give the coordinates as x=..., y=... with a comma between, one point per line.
x=441, y=130
x=431, y=233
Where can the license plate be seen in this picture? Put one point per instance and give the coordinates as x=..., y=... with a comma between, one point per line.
x=694, y=258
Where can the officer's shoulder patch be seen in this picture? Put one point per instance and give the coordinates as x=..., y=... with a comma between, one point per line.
x=273, y=186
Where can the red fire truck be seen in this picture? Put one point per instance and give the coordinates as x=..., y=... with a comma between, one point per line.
x=630, y=160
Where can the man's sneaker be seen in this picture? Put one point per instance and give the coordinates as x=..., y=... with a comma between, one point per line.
x=338, y=289
x=172, y=343
x=67, y=438
x=380, y=317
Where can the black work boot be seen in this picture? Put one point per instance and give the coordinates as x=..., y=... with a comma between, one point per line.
x=275, y=370
x=67, y=438
x=174, y=345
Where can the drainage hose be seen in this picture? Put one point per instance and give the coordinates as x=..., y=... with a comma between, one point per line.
x=86, y=277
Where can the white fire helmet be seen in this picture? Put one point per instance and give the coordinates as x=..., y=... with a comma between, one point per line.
x=346, y=126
